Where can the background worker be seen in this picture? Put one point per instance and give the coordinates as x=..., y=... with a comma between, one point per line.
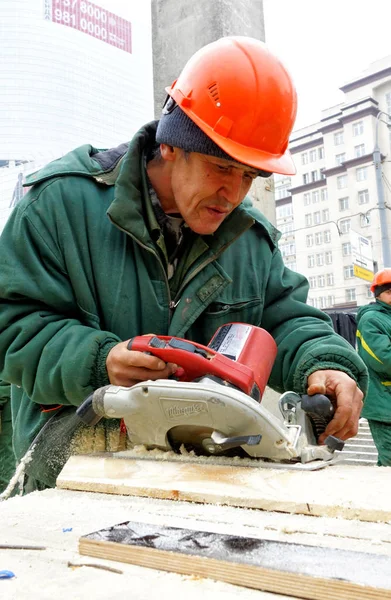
x=374, y=347
x=157, y=236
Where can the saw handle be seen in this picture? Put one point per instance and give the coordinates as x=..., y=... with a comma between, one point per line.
x=319, y=405
x=196, y=360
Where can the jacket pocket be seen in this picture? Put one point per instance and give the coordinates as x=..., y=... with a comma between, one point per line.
x=220, y=313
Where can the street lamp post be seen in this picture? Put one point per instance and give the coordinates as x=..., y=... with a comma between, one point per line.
x=380, y=190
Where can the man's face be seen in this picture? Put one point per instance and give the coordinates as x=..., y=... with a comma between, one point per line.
x=206, y=189
x=385, y=297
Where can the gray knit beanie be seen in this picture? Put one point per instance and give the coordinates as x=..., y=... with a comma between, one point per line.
x=175, y=128
x=379, y=289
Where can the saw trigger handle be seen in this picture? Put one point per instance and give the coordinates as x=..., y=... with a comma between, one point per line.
x=319, y=405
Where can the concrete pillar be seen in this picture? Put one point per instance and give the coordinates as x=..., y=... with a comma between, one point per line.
x=181, y=27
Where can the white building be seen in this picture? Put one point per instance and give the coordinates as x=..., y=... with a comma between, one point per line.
x=72, y=72
x=334, y=191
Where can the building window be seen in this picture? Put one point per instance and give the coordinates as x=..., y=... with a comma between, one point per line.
x=369, y=293
x=343, y=203
x=346, y=249
x=344, y=225
x=361, y=174
x=309, y=240
x=321, y=153
x=306, y=178
x=323, y=194
x=321, y=280
x=314, y=176
x=322, y=301
x=319, y=260
x=340, y=158
x=318, y=238
x=359, y=150
x=325, y=215
x=308, y=220
x=330, y=300
x=342, y=182
x=307, y=198
x=286, y=228
x=328, y=257
x=311, y=261
x=311, y=301
x=315, y=197
x=284, y=211
x=338, y=138
x=304, y=158
x=317, y=219
x=312, y=155
x=388, y=101
x=363, y=197
x=312, y=282
x=327, y=236
x=282, y=192
x=358, y=128
x=330, y=278
x=288, y=249
x=348, y=272
x=350, y=294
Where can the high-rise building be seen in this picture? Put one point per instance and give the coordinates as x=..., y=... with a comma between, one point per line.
x=72, y=72
x=334, y=194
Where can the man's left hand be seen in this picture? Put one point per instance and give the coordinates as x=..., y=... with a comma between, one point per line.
x=346, y=397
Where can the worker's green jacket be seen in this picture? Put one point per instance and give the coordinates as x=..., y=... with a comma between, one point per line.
x=374, y=347
x=83, y=268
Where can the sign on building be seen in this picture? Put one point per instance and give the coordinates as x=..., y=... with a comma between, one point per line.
x=361, y=256
x=92, y=20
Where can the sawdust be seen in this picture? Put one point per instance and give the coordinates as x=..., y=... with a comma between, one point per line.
x=142, y=452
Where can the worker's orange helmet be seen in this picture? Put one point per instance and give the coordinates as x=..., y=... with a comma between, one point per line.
x=241, y=96
x=381, y=278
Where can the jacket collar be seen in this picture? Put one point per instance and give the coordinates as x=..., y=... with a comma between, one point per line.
x=132, y=183
x=130, y=210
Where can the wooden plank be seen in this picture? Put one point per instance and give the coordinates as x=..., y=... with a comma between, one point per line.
x=292, y=569
x=350, y=492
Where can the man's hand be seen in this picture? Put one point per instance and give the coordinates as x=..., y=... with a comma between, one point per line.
x=128, y=367
x=346, y=397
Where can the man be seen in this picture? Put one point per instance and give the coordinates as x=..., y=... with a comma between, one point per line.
x=374, y=347
x=157, y=237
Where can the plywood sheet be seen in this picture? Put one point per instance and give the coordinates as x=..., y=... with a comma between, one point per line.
x=350, y=492
x=293, y=569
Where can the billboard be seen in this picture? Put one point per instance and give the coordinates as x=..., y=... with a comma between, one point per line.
x=92, y=20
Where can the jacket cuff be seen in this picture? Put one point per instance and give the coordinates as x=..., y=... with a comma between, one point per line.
x=99, y=375
x=357, y=372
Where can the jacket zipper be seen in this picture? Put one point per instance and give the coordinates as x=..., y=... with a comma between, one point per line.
x=171, y=303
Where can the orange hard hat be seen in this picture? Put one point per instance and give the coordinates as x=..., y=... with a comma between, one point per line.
x=381, y=277
x=242, y=97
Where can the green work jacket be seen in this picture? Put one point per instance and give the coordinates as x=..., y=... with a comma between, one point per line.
x=83, y=267
x=374, y=347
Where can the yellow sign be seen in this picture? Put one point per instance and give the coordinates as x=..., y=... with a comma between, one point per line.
x=362, y=273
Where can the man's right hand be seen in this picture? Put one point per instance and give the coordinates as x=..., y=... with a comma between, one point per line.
x=128, y=367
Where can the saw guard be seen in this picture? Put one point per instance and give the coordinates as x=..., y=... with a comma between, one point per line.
x=152, y=409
